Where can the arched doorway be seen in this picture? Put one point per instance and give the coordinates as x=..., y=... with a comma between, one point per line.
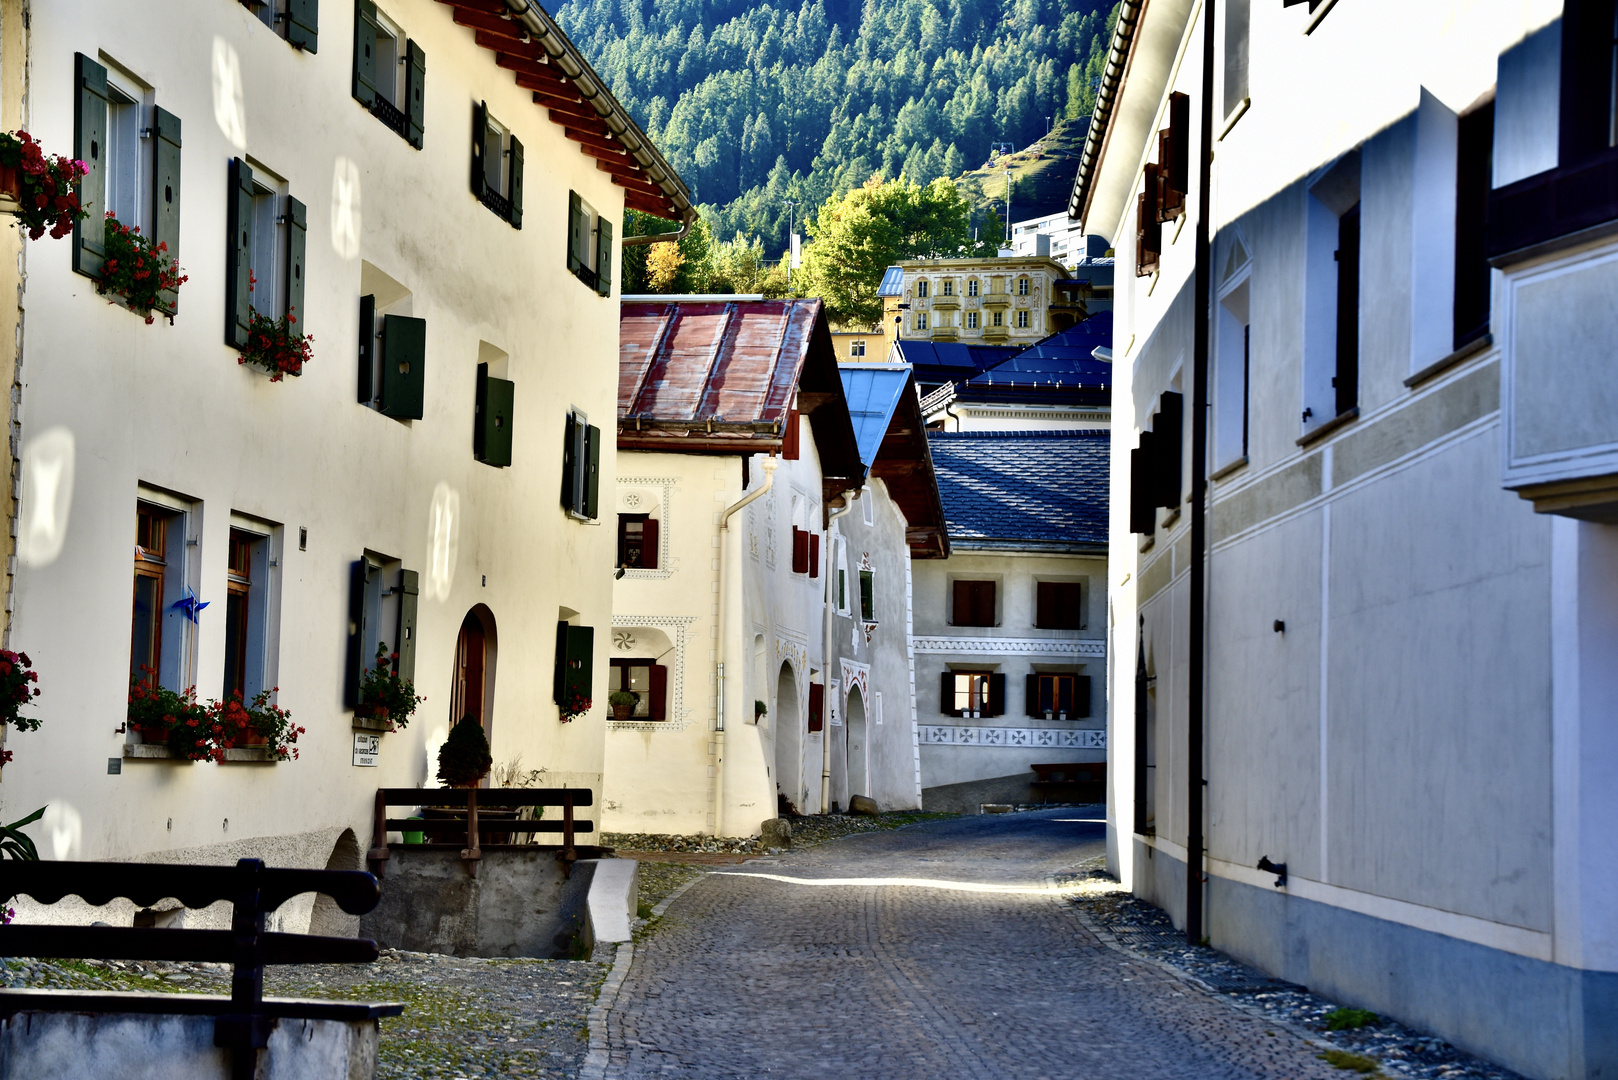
x=858, y=750
x=788, y=738
x=472, y=683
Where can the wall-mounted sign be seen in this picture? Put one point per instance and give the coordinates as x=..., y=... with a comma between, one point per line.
x=367, y=748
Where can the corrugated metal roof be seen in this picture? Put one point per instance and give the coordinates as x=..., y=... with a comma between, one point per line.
x=730, y=362
x=893, y=282
x=873, y=392
x=1039, y=489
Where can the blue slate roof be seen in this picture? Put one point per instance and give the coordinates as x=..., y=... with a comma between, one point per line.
x=873, y=392
x=937, y=362
x=893, y=281
x=1034, y=490
x=1080, y=340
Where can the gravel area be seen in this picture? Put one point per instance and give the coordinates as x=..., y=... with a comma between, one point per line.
x=806, y=832
x=463, y=1018
x=1146, y=931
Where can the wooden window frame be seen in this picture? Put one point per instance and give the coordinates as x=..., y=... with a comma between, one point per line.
x=151, y=564
x=649, y=540
x=656, y=695
x=868, y=596
x=238, y=607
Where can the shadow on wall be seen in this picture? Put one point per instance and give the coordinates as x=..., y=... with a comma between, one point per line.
x=327, y=919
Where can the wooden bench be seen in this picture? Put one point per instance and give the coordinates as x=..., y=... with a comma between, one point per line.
x=1077, y=781
x=243, y=1021
x=475, y=830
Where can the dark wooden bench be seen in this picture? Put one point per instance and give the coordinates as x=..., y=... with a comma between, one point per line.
x=243, y=1020
x=1076, y=781
x=477, y=831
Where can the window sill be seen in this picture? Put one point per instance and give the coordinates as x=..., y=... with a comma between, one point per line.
x=367, y=723
x=1230, y=121
x=1336, y=423
x=250, y=755
x=152, y=752
x=1465, y=352
x=1227, y=470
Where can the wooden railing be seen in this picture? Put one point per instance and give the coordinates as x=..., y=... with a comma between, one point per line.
x=469, y=801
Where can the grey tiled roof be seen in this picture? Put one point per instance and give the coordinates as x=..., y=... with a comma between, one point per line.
x=1044, y=487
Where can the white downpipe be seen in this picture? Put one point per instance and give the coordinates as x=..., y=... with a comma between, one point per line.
x=770, y=464
x=825, y=656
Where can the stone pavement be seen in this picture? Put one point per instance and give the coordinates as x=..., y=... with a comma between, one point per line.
x=935, y=951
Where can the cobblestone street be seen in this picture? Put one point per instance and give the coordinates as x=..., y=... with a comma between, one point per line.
x=933, y=951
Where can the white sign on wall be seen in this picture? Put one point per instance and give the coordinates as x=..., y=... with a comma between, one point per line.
x=367, y=749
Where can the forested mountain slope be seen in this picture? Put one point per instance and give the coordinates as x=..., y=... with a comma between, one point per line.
x=760, y=101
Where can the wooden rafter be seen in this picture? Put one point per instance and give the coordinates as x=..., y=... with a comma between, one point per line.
x=486, y=23
x=592, y=138
x=628, y=168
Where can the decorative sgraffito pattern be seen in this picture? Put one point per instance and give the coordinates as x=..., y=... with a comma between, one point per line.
x=1053, y=738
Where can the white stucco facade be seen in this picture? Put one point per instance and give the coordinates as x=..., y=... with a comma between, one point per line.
x=115, y=413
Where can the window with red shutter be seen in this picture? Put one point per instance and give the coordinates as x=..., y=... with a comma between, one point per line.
x=974, y=603
x=814, y=555
x=1057, y=605
x=789, y=437
x=817, y=706
x=800, y=551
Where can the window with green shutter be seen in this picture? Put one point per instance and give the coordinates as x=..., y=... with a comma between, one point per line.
x=497, y=166
x=404, y=367
x=389, y=73
x=166, y=191
x=89, y=146
x=589, y=245
x=266, y=244
x=382, y=612
x=575, y=653
x=604, y=257
x=581, y=466
x=491, y=432
x=302, y=19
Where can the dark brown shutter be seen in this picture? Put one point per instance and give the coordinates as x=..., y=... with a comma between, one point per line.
x=1142, y=496
x=789, y=437
x=800, y=551
x=1170, y=445
x=1347, y=379
x=1081, y=697
x=814, y=555
x=415, y=92
x=817, y=706
x=367, y=390
x=238, y=253
x=1474, y=157
x=983, y=606
x=946, y=694
x=90, y=147
x=1045, y=604
x=657, y=707
x=480, y=147
x=303, y=24
x=1031, y=696
x=997, y=695
x=962, y=601
x=166, y=192
x=648, y=546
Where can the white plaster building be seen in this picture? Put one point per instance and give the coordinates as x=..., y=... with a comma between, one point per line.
x=1366, y=686
x=402, y=489
x=733, y=437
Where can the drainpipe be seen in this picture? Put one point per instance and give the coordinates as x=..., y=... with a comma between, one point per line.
x=1197, y=703
x=673, y=237
x=825, y=656
x=719, y=670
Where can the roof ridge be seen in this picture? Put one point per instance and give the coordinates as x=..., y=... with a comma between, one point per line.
x=1059, y=433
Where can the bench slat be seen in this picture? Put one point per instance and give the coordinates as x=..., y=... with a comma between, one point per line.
x=450, y=825
x=143, y=943
x=146, y=884
x=456, y=797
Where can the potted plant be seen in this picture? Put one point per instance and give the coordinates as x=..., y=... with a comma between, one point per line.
x=174, y=719
x=464, y=758
x=274, y=344
x=760, y=711
x=256, y=723
x=623, y=703
x=41, y=187
x=384, y=695
x=577, y=704
x=136, y=269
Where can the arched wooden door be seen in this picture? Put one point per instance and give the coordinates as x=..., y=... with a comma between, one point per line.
x=470, y=685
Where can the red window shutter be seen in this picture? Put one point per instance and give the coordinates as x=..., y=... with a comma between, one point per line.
x=800, y=551
x=657, y=707
x=1081, y=697
x=962, y=615
x=789, y=437
x=817, y=706
x=814, y=554
x=997, y=695
x=1031, y=696
x=946, y=693
x=983, y=607
x=1045, y=604
x=649, y=548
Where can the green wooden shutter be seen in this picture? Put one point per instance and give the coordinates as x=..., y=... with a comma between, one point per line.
x=415, y=91
x=559, y=678
x=367, y=391
x=592, y=474
x=516, y=183
x=604, y=257
x=480, y=147
x=404, y=366
x=360, y=572
x=238, y=253
x=365, y=52
x=405, y=644
x=570, y=456
x=297, y=235
x=575, y=231
x=491, y=434
x=166, y=192
x=303, y=24
x=575, y=653
x=90, y=147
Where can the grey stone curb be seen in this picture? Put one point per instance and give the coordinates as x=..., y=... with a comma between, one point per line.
x=1059, y=895
x=596, y=1062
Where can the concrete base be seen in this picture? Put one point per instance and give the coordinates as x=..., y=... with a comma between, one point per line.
x=965, y=798
x=520, y=904
x=100, y=1046
x=614, y=897
x=1544, y=1020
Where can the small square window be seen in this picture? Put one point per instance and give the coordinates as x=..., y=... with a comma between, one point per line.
x=856, y=349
